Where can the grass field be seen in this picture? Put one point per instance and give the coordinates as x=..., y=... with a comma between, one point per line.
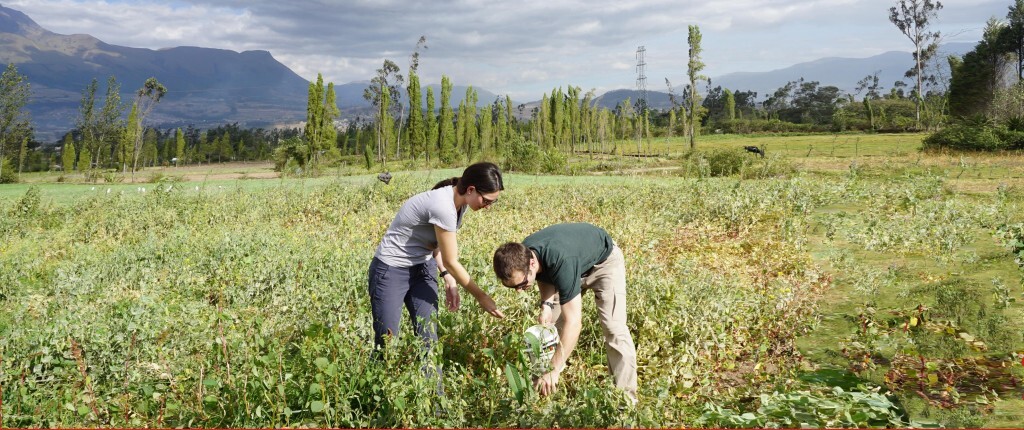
x=213, y=300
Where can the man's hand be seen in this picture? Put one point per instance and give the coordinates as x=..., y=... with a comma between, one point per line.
x=547, y=383
x=451, y=293
x=487, y=303
x=545, y=316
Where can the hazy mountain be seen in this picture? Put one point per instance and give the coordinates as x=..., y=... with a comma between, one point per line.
x=208, y=87
x=843, y=73
x=655, y=99
x=205, y=86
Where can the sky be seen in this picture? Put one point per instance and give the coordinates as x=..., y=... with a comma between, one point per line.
x=522, y=48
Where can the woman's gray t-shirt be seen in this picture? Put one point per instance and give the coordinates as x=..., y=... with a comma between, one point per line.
x=410, y=239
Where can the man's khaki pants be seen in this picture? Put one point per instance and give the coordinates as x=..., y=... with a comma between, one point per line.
x=607, y=281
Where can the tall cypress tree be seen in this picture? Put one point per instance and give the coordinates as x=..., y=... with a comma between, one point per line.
x=485, y=121
x=472, y=131
x=542, y=130
x=508, y=117
x=22, y=153
x=730, y=105
x=86, y=122
x=573, y=118
x=693, y=72
x=314, y=115
x=329, y=134
x=417, y=133
x=110, y=126
x=467, y=131
x=385, y=124
x=67, y=154
x=445, y=123
x=126, y=149
x=460, y=130
x=179, y=145
x=501, y=132
x=430, y=141
x=557, y=117
x=85, y=158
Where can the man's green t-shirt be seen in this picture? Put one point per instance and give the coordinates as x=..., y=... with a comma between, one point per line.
x=565, y=251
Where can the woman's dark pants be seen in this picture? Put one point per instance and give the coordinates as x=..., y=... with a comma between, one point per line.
x=415, y=287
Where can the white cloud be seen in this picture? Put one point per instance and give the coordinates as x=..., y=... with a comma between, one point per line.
x=516, y=46
x=582, y=29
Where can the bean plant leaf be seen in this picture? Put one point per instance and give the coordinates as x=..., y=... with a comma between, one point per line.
x=516, y=382
x=316, y=406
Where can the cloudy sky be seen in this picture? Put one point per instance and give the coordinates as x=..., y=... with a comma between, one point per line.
x=522, y=48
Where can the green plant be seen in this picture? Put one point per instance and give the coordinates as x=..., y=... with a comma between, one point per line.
x=8, y=175
x=1012, y=236
x=524, y=156
x=28, y=206
x=721, y=162
x=819, y=407
x=555, y=162
x=966, y=137
x=247, y=306
x=112, y=177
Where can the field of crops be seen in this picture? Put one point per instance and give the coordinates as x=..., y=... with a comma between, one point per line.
x=878, y=293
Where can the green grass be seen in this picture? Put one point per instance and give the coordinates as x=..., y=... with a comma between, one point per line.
x=843, y=145
x=66, y=193
x=731, y=281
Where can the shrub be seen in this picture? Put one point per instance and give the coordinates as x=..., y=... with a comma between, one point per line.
x=726, y=162
x=965, y=137
x=1011, y=138
x=160, y=177
x=7, y=173
x=112, y=177
x=523, y=156
x=833, y=408
x=772, y=166
x=28, y=205
x=291, y=150
x=555, y=162
x=719, y=162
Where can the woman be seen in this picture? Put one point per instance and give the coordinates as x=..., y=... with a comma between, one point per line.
x=422, y=239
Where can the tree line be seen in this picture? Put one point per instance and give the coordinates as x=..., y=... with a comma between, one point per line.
x=983, y=87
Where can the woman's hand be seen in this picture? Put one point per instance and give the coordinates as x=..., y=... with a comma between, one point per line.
x=451, y=293
x=487, y=303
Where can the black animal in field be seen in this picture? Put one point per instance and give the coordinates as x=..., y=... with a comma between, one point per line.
x=384, y=177
x=755, y=150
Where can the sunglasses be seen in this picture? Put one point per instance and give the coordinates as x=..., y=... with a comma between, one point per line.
x=486, y=201
x=522, y=285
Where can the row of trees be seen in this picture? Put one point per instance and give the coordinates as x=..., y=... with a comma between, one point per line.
x=101, y=138
x=566, y=120
x=986, y=90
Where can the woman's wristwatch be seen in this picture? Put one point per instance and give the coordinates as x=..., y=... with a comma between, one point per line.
x=548, y=304
x=443, y=274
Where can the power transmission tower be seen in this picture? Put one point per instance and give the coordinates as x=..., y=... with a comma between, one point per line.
x=641, y=87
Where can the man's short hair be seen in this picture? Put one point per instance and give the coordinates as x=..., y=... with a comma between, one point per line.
x=510, y=258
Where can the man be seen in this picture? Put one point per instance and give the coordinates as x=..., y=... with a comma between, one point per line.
x=565, y=260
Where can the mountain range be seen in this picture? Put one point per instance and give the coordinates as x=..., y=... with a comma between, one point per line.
x=208, y=87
